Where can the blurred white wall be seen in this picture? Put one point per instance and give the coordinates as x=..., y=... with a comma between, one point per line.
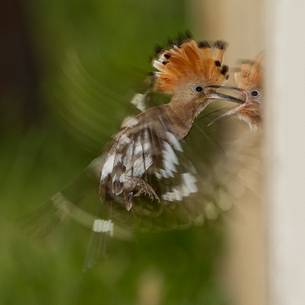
x=285, y=143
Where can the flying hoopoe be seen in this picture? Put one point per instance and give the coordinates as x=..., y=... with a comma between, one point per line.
x=147, y=148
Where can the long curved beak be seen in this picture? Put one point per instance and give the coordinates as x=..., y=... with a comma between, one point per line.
x=227, y=93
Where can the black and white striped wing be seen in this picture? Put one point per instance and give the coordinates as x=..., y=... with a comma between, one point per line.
x=150, y=153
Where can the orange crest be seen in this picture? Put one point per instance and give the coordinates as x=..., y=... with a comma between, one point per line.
x=187, y=62
x=250, y=74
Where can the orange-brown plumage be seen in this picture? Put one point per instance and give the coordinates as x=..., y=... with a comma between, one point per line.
x=250, y=80
x=250, y=74
x=191, y=61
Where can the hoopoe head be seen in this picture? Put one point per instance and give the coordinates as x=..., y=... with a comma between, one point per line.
x=188, y=68
x=249, y=82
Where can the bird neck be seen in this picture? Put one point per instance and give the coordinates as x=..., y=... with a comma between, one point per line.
x=182, y=115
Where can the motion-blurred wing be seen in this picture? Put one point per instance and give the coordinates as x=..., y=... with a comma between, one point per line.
x=148, y=152
x=80, y=202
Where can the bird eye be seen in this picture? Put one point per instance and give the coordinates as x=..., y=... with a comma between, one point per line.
x=254, y=93
x=199, y=88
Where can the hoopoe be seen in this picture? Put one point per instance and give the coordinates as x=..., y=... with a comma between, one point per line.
x=147, y=148
x=249, y=82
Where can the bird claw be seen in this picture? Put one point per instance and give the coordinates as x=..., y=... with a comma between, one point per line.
x=146, y=189
x=143, y=188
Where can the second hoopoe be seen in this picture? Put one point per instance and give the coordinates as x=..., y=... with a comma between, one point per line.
x=249, y=82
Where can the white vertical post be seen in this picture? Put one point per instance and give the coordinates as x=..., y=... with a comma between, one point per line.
x=285, y=110
x=238, y=22
x=241, y=24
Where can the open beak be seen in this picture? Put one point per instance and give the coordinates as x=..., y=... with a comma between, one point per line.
x=227, y=93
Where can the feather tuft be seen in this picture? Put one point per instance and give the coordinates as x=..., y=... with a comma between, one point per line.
x=187, y=60
x=250, y=74
x=203, y=44
x=220, y=44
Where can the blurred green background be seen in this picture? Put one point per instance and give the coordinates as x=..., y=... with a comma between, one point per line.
x=69, y=69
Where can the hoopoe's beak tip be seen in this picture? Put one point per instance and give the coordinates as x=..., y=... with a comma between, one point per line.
x=215, y=92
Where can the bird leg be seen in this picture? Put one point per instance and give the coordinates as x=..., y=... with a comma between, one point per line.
x=135, y=187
